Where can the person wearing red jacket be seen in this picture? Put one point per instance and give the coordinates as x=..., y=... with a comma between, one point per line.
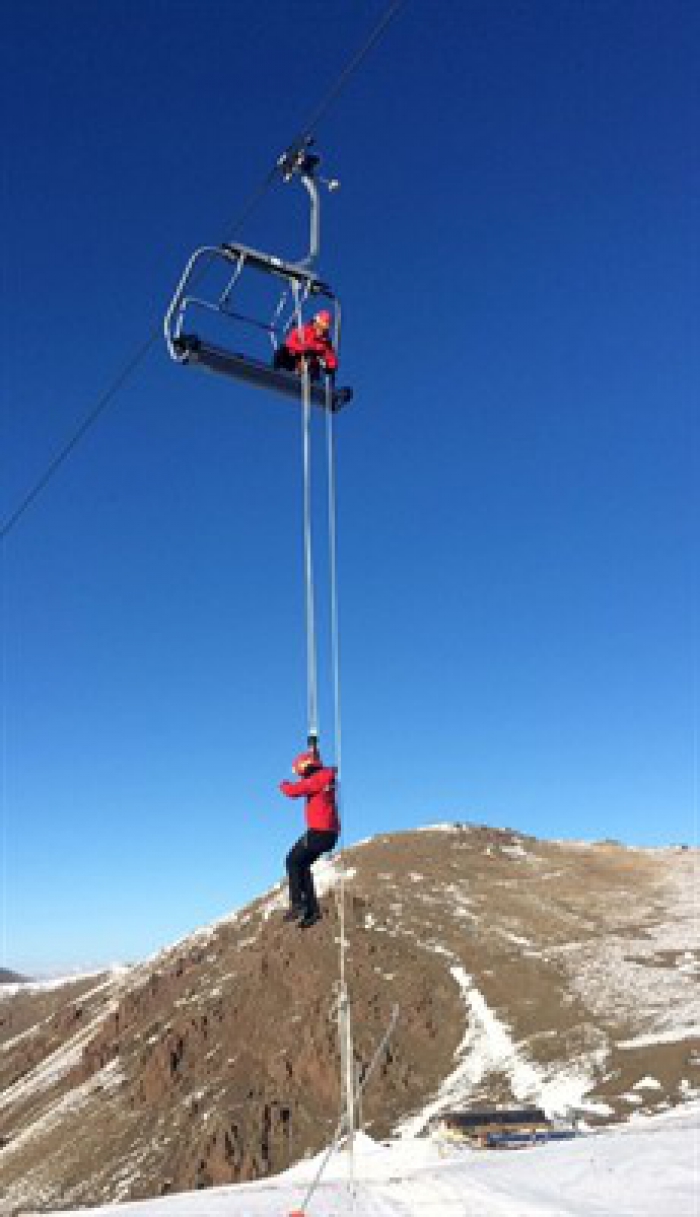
x=317, y=785
x=311, y=342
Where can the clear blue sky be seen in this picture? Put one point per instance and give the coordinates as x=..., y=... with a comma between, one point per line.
x=518, y=501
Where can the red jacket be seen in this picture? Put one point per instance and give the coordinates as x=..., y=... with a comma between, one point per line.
x=306, y=341
x=319, y=789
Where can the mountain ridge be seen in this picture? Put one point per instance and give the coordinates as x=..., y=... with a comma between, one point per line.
x=557, y=972
x=8, y=977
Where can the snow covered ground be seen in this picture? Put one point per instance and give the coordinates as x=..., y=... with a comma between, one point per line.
x=648, y=1168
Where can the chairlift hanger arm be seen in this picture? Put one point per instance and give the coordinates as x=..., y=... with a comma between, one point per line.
x=298, y=161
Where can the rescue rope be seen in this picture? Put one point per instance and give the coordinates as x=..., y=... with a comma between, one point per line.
x=333, y=580
x=310, y=598
x=311, y=659
x=347, y=1051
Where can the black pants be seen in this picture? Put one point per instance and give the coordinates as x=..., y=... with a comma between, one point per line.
x=287, y=362
x=299, y=861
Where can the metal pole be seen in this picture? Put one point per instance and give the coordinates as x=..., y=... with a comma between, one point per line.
x=347, y=1066
x=314, y=221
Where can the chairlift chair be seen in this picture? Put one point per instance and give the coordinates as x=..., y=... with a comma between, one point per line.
x=189, y=345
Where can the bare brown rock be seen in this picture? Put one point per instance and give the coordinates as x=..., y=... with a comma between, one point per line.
x=514, y=962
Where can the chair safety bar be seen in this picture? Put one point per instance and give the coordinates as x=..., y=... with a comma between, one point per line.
x=275, y=266
x=241, y=256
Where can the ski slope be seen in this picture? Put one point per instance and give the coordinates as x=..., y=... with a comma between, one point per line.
x=647, y=1168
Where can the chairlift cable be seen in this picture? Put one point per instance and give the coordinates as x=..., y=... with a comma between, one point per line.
x=110, y=393
x=130, y=365
x=106, y=398
x=348, y=71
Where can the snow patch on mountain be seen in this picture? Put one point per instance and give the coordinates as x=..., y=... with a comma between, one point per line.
x=106, y=1079
x=626, y=973
x=487, y=1047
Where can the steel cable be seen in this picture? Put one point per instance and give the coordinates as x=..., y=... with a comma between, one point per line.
x=134, y=361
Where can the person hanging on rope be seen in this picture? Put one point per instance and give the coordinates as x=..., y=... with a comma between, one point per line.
x=310, y=343
x=317, y=783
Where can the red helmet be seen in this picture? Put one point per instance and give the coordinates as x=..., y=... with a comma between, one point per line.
x=323, y=319
x=305, y=763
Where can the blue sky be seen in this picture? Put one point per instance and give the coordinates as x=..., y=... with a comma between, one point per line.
x=518, y=499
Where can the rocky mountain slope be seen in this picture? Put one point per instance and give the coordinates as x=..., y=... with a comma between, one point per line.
x=553, y=972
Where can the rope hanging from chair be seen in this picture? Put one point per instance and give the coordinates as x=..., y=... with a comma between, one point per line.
x=310, y=599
